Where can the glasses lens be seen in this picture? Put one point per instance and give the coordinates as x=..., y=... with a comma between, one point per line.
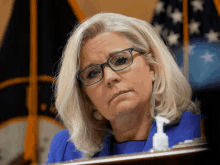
x=121, y=60
x=91, y=74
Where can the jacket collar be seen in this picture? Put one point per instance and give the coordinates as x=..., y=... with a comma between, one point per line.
x=108, y=140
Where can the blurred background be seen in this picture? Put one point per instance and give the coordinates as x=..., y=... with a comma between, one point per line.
x=33, y=34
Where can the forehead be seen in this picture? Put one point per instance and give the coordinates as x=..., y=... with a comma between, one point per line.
x=97, y=49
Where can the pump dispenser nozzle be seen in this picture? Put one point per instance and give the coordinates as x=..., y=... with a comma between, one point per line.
x=160, y=139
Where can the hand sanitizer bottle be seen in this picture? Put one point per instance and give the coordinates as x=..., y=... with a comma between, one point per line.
x=160, y=139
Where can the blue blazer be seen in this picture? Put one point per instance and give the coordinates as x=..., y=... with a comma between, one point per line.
x=188, y=128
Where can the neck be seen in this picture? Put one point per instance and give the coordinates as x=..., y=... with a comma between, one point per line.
x=135, y=126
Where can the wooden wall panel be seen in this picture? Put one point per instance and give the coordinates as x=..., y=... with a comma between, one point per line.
x=5, y=13
x=142, y=9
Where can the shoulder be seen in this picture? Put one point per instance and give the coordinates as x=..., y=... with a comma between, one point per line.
x=59, y=141
x=61, y=148
x=189, y=120
x=188, y=128
x=61, y=137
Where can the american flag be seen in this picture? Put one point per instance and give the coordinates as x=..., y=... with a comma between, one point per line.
x=204, y=21
x=204, y=37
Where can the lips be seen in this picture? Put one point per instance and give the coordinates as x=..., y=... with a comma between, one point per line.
x=119, y=93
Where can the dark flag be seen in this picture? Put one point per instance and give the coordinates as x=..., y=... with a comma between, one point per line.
x=203, y=22
x=27, y=69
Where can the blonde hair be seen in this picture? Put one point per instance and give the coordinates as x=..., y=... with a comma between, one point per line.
x=171, y=94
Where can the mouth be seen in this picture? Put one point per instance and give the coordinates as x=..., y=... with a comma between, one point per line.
x=119, y=93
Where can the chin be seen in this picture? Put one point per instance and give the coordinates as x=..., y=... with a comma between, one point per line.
x=124, y=107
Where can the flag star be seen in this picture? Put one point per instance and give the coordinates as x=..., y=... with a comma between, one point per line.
x=173, y=38
x=194, y=27
x=207, y=57
x=190, y=49
x=158, y=27
x=177, y=16
x=197, y=5
x=159, y=7
x=165, y=33
x=212, y=36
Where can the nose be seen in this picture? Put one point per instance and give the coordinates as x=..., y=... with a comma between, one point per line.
x=110, y=76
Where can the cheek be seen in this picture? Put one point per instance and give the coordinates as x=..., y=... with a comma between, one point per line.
x=97, y=97
x=141, y=80
x=142, y=85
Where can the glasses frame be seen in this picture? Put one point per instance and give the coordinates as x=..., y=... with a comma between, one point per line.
x=78, y=77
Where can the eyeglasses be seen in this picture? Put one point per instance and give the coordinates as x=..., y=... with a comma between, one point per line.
x=116, y=62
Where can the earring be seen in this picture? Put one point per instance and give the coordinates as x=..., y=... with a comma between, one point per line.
x=97, y=115
x=153, y=78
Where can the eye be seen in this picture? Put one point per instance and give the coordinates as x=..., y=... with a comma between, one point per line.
x=93, y=73
x=120, y=60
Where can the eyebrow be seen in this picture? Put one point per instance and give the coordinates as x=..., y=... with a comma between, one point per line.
x=110, y=55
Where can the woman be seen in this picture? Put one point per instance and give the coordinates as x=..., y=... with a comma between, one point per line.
x=116, y=75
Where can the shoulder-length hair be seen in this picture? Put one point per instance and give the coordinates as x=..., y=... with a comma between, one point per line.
x=171, y=94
